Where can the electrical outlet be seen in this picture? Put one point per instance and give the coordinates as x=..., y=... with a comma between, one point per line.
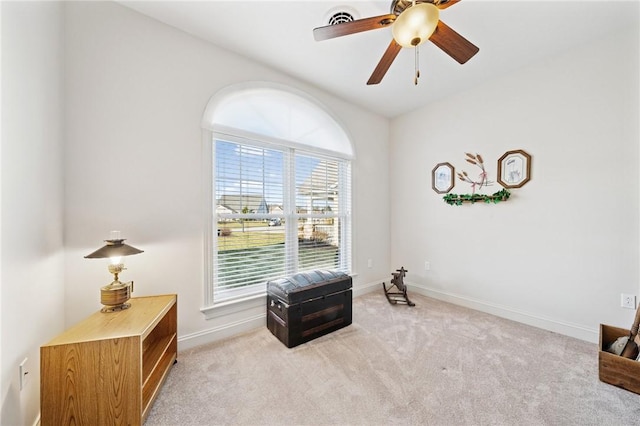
x=369, y=263
x=24, y=373
x=427, y=265
x=628, y=301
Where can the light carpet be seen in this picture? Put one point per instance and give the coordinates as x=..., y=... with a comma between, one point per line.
x=432, y=364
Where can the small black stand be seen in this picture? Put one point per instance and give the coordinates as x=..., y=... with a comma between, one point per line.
x=399, y=296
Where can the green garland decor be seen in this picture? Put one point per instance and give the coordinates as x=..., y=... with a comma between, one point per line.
x=458, y=199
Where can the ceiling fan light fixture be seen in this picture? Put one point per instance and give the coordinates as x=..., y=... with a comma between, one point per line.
x=415, y=24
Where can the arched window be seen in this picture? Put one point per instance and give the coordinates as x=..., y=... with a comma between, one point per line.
x=281, y=189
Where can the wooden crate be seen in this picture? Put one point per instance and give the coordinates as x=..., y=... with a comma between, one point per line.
x=614, y=369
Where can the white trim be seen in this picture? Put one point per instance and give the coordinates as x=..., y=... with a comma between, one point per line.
x=568, y=329
x=211, y=131
x=289, y=198
x=221, y=96
x=234, y=306
x=249, y=323
x=221, y=332
x=345, y=206
x=208, y=210
x=259, y=320
x=361, y=290
x=289, y=214
x=245, y=137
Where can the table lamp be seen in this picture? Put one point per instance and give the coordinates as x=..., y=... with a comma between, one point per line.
x=115, y=295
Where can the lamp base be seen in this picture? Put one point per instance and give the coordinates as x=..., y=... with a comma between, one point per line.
x=114, y=296
x=115, y=308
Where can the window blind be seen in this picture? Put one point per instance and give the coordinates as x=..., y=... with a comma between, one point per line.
x=277, y=211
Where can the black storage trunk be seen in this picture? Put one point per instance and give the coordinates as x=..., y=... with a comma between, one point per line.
x=308, y=305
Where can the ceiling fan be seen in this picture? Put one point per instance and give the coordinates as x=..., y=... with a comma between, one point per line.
x=412, y=23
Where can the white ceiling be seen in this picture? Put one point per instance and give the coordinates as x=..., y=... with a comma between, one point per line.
x=509, y=33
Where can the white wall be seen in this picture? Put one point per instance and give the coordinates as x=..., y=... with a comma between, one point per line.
x=1, y=72
x=560, y=252
x=136, y=91
x=32, y=194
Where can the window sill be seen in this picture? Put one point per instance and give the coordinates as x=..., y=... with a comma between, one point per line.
x=239, y=304
x=233, y=306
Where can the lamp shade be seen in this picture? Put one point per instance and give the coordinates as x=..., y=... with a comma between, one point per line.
x=415, y=24
x=114, y=248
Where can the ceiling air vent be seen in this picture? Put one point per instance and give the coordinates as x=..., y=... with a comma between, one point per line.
x=340, y=17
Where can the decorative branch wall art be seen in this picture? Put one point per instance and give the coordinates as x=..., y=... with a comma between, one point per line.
x=514, y=170
x=476, y=183
x=482, y=179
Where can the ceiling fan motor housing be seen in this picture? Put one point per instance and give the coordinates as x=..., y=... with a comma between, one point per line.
x=398, y=6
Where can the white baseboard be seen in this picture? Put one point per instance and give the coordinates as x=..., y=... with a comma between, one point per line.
x=256, y=321
x=192, y=340
x=366, y=288
x=568, y=329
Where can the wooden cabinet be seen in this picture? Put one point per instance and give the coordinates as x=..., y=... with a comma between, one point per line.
x=108, y=369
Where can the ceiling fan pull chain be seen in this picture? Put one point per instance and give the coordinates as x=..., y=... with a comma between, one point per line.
x=415, y=80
